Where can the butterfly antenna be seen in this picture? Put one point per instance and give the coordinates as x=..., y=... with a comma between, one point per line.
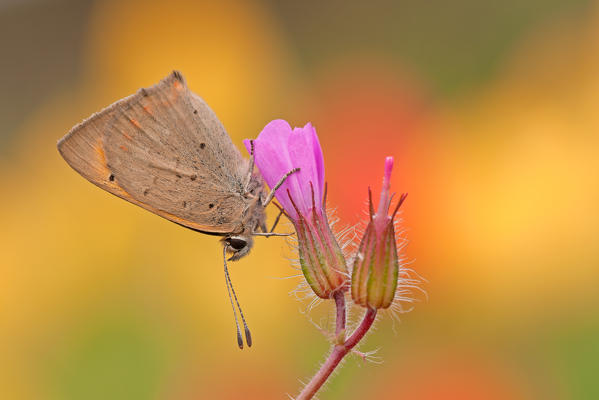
x=227, y=280
x=230, y=289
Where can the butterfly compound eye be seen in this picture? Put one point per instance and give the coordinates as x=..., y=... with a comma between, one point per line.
x=236, y=244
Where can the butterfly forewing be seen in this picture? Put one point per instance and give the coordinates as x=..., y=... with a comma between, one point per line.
x=165, y=150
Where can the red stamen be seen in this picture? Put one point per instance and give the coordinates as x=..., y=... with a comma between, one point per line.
x=370, y=205
x=293, y=203
x=401, y=200
x=313, y=200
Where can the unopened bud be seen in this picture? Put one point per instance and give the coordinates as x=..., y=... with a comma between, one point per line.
x=376, y=266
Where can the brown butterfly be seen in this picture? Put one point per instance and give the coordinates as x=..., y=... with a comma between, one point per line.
x=165, y=150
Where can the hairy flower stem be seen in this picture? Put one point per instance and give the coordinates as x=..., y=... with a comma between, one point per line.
x=340, y=320
x=340, y=349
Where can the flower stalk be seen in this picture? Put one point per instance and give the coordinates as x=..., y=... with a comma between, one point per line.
x=339, y=351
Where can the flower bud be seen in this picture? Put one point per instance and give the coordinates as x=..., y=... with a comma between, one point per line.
x=320, y=256
x=376, y=266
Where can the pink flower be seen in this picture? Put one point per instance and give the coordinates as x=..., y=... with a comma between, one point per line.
x=278, y=150
x=376, y=266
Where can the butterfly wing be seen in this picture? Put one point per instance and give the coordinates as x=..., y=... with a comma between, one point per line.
x=164, y=150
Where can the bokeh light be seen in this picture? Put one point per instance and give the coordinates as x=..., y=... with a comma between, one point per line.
x=489, y=109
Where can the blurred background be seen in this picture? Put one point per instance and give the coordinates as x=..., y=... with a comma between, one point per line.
x=490, y=109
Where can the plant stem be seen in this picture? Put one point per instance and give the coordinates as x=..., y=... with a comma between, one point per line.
x=339, y=297
x=339, y=350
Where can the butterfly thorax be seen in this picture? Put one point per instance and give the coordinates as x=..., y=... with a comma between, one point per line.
x=253, y=220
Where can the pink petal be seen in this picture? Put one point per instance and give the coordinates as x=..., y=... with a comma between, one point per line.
x=301, y=152
x=318, y=159
x=382, y=216
x=278, y=150
x=272, y=157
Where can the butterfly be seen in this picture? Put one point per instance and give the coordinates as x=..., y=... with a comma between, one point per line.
x=165, y=150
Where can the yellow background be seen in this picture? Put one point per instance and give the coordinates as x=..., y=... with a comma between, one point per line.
x=490, y=111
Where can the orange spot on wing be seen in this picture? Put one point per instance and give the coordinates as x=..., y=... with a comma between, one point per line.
x=135, y=122
x=100, y=151
x=101, y=168
x=147, y=109
x=123, y=148
x=126, y=136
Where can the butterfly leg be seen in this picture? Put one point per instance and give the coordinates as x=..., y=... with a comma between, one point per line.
x=271, y=233
x=251, y=169
x=276, y=221
x=271, y=195
x=263, y=227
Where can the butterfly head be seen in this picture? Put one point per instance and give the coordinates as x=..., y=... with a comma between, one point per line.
x=238, y=245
